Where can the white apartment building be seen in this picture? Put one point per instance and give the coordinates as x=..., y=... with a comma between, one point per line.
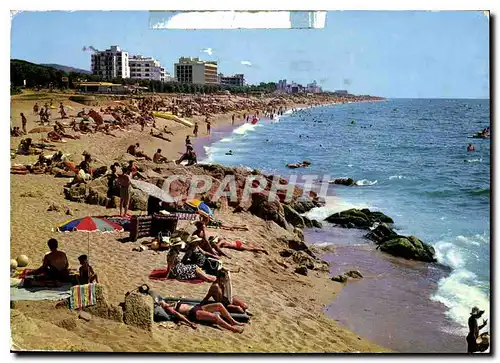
x=193, y=70
x=147, y=68
x=111, y=63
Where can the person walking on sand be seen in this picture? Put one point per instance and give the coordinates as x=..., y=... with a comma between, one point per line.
x=124, y=180
x=208, y=127
x=474, y=329
x=232, y=120
x=35, y=109
x=23, y=122
x=195, y=130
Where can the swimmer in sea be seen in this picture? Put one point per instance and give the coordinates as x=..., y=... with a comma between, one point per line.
x=470, y=147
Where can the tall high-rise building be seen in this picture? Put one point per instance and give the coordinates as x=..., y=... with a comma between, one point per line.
x=111, y=63
x=193, y=70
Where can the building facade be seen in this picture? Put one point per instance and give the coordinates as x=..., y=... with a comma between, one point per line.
x=111, y=63
x=147, y=68
x=237, y=80
x=193, y=70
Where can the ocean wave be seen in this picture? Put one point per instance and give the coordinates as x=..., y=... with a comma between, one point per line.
x=332, y=205
x=226, y=139
x=479, y=191
x=396, y=177
x=473, y=160
x=459, y=292
x=477, y=239
x=245, y=128
x=364, y=182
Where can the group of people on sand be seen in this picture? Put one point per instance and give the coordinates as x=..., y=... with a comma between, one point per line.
x=55, y=266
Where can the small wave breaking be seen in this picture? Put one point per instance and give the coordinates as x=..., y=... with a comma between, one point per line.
x=364, y=182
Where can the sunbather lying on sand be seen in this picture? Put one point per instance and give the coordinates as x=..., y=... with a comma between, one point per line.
x=55, y=263
x=159, y=135
x=236, y=245
x=133, y=150
x=221, y=292
x=178, y=270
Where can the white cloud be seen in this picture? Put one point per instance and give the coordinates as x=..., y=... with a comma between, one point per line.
x=207, y=50
x=246, y=63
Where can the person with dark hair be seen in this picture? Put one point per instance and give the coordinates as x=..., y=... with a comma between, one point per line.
x=55, y=263
x=23, y=122
x=158, y=158
x=472, y=337
x=87, y=274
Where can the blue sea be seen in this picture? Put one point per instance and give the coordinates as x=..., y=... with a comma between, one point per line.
x=410, y=161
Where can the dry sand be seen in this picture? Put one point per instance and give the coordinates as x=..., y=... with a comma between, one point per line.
x=287, y=307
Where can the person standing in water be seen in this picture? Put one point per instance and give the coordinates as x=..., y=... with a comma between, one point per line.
x=208, y=127
x=470, y=147
x=232, y=120
x=195, y=130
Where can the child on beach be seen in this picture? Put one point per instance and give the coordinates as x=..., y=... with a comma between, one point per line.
x=87, y=274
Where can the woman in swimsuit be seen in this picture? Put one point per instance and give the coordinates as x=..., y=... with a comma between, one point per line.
x=211, y=313
x=236, y=245
x=204, y=244
x=181, y=271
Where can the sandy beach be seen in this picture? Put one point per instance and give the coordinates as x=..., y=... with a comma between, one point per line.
x=287, y=307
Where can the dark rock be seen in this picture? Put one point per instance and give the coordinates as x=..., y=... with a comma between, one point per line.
x=302, y=270
x=380, y=217
x=410, y=248
x=303, y=259
x=138, y=200
x=316, y=224
x=381, y=234
x=286, y=253
x=307, y=222
x=297, y=245
x=303, y=205
x=344, y=181
x=355, y=274
x=340, y=278
x=355, y=218
x=293, y=217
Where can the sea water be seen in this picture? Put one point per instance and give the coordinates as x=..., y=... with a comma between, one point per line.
x=410, y=161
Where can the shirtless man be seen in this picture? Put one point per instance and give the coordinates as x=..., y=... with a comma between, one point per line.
x=158, y=158
x=474, y=329
x=55, y=263
x=23, y=122
x=124, y=180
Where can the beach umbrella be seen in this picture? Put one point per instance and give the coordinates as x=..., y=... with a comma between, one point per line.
x=40, y=129
x=152, y=190
x=89, y=224
x=201, y=208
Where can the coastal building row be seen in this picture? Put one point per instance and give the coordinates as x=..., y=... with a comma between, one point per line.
x=284, y=87
x=115, y=63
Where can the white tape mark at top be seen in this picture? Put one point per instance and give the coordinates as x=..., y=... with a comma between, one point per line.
x=237, y=19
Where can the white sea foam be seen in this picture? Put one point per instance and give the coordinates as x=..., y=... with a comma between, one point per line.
x=245, y=128
x=366, y=182
x=396, y=177
x=226, y=139
x=333, y=205
x=473, y=160
x=349, y=165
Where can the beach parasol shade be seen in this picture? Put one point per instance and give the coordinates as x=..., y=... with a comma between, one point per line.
x=89, y=224
x=201, y=208
x=40, y=129
x=152, y=190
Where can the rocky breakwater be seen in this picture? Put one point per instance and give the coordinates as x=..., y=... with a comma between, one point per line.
x=386, y=239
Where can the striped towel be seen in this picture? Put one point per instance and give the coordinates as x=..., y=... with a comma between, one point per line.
x=82, y=296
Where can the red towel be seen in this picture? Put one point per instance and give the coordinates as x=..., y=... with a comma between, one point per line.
x=161, y=274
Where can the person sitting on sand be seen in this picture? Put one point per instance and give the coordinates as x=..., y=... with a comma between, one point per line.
x=201, y=232
x=221, y=292
x=55, y=263
x=124, y=181
x=470, y=147
x=166, y=131
x=236, y=245
x=87, y=274
x=53, y=135
x=158, y=158
x=178, y=270
x=189, y=155
x=197, y=256
x=132, y=149
x=85, y=166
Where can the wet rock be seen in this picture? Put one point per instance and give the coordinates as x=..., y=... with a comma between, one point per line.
x=293, y=217
x=303, y=205
x=354, y=274
x=340, y=278
x=301, y=270
x=410, y=248
x=316, y=224
x=381, y=234
x=344, y=181
x=356, y=218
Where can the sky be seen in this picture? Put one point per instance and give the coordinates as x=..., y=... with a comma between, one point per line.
x=405, y=54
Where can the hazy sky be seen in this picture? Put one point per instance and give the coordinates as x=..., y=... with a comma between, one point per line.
x=391, y=54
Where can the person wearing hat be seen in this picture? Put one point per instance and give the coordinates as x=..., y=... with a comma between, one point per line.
x=201, y=232
x=178, y=270
x=474, y=329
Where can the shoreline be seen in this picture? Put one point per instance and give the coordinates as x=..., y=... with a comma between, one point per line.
x=289, y=306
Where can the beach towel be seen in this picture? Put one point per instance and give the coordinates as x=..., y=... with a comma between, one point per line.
x=162, y=273
x=20, y=292
x=82, y=296
x=41, y=279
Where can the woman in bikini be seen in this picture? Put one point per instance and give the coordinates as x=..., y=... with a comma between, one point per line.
x=211, y=313
x=219, y=243
x=178, y=270
x=219, y=292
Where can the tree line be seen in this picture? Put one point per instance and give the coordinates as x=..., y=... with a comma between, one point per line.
x=38, y=76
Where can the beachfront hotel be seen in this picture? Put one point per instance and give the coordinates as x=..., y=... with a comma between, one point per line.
x=194, y=70
x=147, y=68
x=111, y=63
x=237, y=80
